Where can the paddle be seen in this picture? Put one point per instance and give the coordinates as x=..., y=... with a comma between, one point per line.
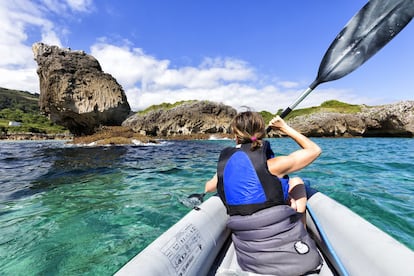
x=366, y=33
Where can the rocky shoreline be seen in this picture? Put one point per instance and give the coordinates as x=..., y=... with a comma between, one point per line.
x=35, y=136
x=118, y=135
x=206, y=120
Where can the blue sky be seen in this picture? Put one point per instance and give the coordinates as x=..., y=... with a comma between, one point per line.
x=262, y=54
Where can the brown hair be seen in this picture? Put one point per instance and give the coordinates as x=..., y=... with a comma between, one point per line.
x=249, y=127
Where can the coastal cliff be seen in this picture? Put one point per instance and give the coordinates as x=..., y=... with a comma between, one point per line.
x=391, y=120
x=189, y=118
x=202, y=119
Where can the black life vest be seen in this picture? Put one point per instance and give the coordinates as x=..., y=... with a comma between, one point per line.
x=245, y=184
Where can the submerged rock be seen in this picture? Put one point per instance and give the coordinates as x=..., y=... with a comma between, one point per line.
x=75, y=92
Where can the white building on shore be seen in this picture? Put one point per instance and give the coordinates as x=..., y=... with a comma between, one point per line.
x=13, y=123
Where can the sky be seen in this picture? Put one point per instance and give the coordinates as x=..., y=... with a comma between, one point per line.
x=243, y=53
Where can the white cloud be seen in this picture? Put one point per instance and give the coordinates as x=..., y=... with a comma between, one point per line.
x=128, y=66
x=289, y=84
x=80, y=5
x=18, y=20
x=16, y=17
x=65, y=7
x=21, y=78
x=208, y=75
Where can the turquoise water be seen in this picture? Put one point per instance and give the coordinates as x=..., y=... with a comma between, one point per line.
x=68, y=210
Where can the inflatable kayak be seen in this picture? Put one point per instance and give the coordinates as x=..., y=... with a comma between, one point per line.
x=200, y=244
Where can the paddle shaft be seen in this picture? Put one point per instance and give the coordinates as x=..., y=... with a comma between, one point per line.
x=298, y=101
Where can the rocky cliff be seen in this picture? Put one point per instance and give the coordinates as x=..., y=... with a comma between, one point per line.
x=200, y=117
x=392, y=120
x=75, y=92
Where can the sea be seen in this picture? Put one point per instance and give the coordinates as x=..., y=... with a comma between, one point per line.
x=87, y=210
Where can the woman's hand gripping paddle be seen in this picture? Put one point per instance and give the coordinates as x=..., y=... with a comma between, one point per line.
x=366, y=33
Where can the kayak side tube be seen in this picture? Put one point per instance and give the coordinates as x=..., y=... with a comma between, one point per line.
x=352, y=245
x=188, y=248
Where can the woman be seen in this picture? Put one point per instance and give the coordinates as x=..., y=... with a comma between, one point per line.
x=264, y=205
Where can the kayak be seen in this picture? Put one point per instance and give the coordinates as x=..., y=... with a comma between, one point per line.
x=200, y=244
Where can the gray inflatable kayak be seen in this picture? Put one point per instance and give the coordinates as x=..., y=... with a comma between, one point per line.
x=200, y=244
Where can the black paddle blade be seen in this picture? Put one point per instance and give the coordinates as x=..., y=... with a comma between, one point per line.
x=199, y=197
x=193, y=201
x=366, y=33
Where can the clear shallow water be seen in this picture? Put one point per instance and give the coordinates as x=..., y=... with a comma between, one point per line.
x=68, y=210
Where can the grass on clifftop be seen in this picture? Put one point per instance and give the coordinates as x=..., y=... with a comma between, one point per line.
x=164, y=106
x=331, y=106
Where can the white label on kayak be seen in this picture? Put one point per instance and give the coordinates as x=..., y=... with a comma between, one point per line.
x=184, y=248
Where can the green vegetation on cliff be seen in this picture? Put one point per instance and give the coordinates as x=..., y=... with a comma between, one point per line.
x=332, y=106
x=267, y=116
x=19, y=100
x=164, y=106
x=22, y=107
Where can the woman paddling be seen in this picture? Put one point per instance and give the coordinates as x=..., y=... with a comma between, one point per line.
x=265, y=207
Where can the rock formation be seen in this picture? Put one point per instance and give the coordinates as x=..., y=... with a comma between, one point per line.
x=199, y=117
x=392, y=120
x=75, y=92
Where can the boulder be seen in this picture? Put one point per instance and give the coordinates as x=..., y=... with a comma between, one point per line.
x=75, y=92
x=196, y=117
x=396, y=120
